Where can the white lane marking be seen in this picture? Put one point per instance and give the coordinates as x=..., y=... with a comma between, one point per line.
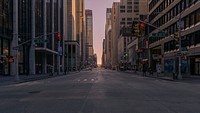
x=85, y=80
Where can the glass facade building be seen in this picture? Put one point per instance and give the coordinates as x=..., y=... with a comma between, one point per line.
x=50, y=15
x=24, y=22
x=5, y=35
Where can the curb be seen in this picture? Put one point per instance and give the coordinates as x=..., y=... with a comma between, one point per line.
x=161, y=78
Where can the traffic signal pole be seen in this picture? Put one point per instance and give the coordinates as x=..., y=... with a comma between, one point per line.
x=149, y=51
x=58, y=63
x=180, y=48
x=15, y=64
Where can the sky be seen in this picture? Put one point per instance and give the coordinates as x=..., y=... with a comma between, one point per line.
x=99, y=20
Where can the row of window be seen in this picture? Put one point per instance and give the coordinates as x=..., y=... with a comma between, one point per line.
x=128, y=23
x=128, y=19
x=6, y=18
x=122, y=7
x=164, y=4
x=4, y=50
x=188, y=21
x=188, y=40
x=152, y=4
x=129, y=8
x=182, y=5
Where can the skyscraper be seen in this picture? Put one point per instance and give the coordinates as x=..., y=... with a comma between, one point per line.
x=89, y=34
x=115, y=34
x=6, y=33
x=34, y=25
x=108, y=32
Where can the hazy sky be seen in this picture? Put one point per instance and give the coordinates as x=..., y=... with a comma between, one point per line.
x=99, y=15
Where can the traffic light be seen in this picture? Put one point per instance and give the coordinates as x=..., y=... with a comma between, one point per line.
x=176, y=37
x=141, y=27
x=59, y=36
x=135, y=28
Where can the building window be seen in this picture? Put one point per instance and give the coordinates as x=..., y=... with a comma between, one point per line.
x=122, y=11
x=129, y=3
x=186, y=22
x=129, y=23
x=136, y=10
x=191, y=19
x=136, y=7
x=197, y=16
x=136, y=18
x=129, y=7
x=136, y=2
x=122, y=23
x=129, y=19
x=129, y=11
x=122, y=7
x=6, y=52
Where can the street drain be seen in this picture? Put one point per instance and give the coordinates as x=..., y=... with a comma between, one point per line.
x=34, y=92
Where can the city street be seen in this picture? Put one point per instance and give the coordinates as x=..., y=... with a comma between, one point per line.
x=100, y=91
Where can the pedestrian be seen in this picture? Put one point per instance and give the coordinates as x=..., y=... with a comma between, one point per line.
x=150, y=71
x=158, y=71
x=65, y=70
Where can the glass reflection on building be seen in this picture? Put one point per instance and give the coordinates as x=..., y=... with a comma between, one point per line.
x=5, y=35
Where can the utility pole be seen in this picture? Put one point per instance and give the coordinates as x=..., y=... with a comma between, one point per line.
x=59, y=54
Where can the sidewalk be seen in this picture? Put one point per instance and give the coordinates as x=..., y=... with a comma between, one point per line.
x=186, y=79
x=4, y=80
x=160, y=76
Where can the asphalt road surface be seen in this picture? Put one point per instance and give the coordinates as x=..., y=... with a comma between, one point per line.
x=100, y=91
